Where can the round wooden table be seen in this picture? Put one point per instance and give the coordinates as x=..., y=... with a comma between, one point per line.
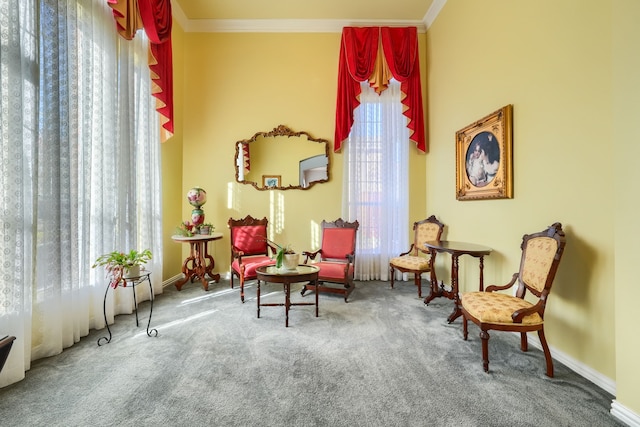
x=456, y=249
x=199, y=264
x=272, y=274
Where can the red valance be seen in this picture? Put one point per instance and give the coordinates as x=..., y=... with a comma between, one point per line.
x=155, y=17
x=374, y=53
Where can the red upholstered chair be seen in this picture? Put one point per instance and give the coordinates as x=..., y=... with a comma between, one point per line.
x=541, y=253
x=249, y=248
x=417, y=259
x=337, y=257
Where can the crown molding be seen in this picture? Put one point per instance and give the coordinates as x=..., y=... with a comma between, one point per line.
x=289, y=25
x=295, y=25
x=178, y=15
x=433, y=12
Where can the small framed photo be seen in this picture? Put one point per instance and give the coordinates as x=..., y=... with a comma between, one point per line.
x=484, y=159
x=271, y=181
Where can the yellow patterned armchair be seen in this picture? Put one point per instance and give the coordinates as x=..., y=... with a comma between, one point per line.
x=490, y=310
x=417, y=259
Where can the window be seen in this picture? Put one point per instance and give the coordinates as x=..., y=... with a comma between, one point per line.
x=375, y=186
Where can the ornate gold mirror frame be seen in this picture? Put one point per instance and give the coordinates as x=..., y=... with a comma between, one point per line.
x=282, y=159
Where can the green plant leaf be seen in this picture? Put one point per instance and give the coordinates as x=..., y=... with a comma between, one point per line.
x=279, y=257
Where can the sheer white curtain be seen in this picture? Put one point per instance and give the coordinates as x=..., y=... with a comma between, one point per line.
x=80, y=172
x=376, y=180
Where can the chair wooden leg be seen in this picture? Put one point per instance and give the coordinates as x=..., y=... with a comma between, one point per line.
x=547, y=353
x=348, y=289
x=465, y=328
x=418, y=281
x=391, y=273
x=242, y=289
x=524, y=344
x=484, y=335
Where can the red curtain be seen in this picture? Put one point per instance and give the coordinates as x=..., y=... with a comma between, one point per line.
x=155, y=17
x=369, y=53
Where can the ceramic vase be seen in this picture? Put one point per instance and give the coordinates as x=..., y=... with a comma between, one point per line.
x=290, y=261
x=197, y=217
x=133, y=271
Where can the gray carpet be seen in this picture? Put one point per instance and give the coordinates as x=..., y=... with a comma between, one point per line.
x=383, y=359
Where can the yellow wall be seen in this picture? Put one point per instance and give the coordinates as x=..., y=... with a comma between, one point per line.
x=173, y=196
x=553, y=61
x=237, y=84
x=626, y=139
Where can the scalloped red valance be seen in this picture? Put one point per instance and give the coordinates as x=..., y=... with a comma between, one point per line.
x=376, y=54
x=155, y=17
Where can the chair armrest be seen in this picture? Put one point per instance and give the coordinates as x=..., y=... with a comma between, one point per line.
x=310, y=255
x=518, y=315
x=274, y=250
x=236, y=253
x=493, y=288
x=411, y=250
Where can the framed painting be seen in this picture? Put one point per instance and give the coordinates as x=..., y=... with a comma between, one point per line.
x=271, y=181
x=484, y=159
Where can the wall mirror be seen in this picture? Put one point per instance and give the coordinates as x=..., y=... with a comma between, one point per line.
x=282, y=160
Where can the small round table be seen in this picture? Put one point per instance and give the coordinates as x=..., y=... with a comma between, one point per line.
x=196, y=265
x=133, y=281
x=456, y=249
x=272, y=274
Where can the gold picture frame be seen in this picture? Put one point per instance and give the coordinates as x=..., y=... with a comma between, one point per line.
x=484, y=157
x=271, y=181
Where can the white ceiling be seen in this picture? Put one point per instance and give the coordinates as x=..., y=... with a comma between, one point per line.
x=301, y=15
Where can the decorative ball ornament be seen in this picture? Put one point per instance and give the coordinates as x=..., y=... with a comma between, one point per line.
x=197, y=197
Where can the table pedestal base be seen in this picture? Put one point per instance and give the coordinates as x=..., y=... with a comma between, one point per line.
x=456, y=249
x=198, y=265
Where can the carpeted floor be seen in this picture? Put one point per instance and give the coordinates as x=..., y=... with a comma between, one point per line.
x=383, y=359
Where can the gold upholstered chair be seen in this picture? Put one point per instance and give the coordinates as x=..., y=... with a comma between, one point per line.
x=417, y=259
x=491, y=310
x=249, y=249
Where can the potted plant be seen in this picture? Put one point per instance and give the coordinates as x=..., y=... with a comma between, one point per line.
x=205, y=228
x=285, y=255
x=185, y=229
x=122, y=265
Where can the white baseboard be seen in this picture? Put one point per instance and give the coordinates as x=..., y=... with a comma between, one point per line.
x=625, y=415
x=618, y=411
x=602, y=381
x=170, y=281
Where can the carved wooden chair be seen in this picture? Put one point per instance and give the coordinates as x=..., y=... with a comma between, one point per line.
x=541, y=253
x=5, y=347
x=337, y=256
x=417, y=259
x=249, y=248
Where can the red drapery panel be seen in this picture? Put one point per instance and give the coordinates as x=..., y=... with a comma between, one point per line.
x=358, y=51
x=400, y=47
x=155, y=17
